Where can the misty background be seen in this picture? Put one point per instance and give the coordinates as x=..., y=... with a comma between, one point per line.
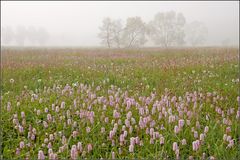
x=78, y=23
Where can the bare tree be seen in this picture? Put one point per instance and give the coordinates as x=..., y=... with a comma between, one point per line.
x=7, y=35
x=117, y=33
x=105, y=33
x=196, y=33
x=226, y=42
x=110, y=32
x=20, y=36
x=134, y=32
x=167, y=29
x=43, y=36
x=32, y=35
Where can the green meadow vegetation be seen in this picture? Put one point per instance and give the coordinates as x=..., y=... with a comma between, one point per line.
x=74, y=103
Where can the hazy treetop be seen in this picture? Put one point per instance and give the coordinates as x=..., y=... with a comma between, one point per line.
x=77, y=23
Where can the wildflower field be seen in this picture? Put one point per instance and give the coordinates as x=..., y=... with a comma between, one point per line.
x=131, y=103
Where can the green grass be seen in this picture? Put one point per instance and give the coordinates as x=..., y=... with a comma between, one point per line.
x=137, y=71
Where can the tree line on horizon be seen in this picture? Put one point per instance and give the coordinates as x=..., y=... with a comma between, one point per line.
x=21, y=34
x=167, y=29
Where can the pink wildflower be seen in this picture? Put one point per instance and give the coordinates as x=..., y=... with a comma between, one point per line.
x=131, y=148
x=74, y=153
x=41, y=155
x=175, y=146
x=89, y=147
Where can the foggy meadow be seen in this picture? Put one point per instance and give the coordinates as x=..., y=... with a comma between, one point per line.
x=115, y=80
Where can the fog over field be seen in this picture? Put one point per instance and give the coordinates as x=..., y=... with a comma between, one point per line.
x=119, y=80
x=77, y=23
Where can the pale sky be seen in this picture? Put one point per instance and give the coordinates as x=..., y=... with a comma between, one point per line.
x=76, y=23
